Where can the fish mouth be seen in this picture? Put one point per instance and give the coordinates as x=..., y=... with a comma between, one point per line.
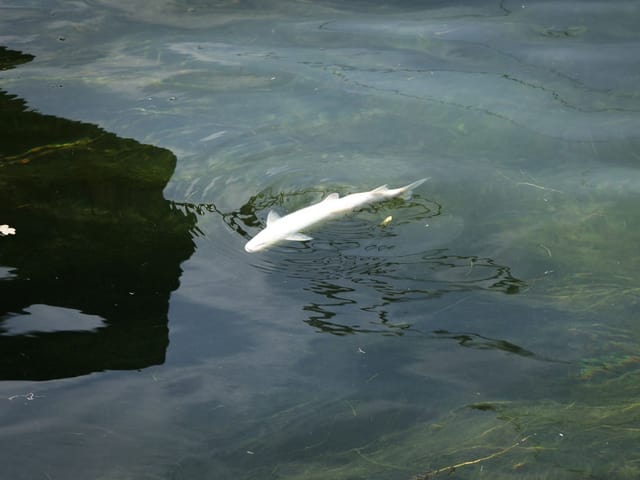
x=251, y=247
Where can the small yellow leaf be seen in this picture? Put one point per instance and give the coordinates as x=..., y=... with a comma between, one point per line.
x=386, y=221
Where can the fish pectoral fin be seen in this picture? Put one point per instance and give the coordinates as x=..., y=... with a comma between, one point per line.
x=332, y=196
x=272, y=217
x=298, y=237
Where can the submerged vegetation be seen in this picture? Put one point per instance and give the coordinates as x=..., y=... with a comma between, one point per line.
x=591, y=246
x=497, y=440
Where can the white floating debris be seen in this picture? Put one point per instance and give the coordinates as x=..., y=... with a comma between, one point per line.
x=7, y=230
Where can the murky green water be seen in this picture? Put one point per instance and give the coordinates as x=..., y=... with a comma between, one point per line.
x=490, y=330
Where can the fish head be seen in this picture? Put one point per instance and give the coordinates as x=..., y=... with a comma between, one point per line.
x=254, y=246
x=261, y=241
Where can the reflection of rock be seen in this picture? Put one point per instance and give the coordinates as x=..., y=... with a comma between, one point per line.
x=94, y=234
x=11, y=58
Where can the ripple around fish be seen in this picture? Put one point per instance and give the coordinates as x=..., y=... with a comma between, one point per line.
x=409, y=258
x=369, y=290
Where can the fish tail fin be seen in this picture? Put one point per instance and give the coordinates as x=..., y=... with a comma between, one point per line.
x=406, y=191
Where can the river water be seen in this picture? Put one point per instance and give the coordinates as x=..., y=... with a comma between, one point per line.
x=488, y=330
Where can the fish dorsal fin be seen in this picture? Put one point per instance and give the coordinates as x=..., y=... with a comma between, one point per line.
x=272, y=217
x=380, y=188
x=332, y=196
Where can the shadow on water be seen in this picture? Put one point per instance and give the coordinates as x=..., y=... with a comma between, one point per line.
x=86, y=279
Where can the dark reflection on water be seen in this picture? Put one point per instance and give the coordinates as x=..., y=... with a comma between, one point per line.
x=94, y=236
x=473, y=340
x=12, y=58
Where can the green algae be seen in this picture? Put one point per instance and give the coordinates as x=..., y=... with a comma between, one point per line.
x=591, y=248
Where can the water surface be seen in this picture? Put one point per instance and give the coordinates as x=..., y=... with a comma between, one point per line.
x=488, y=331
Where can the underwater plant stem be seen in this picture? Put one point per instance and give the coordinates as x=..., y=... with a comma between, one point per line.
x=451, y=468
